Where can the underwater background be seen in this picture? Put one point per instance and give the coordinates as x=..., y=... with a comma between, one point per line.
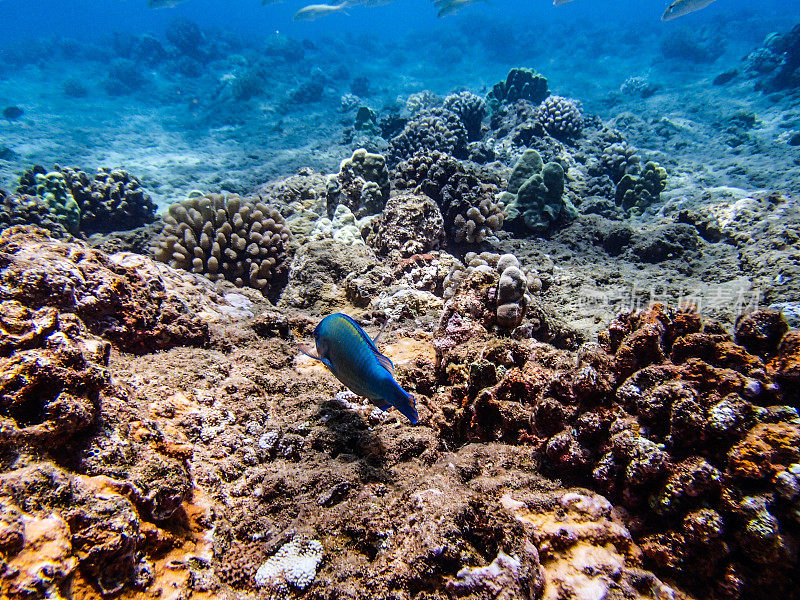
x=572, y=232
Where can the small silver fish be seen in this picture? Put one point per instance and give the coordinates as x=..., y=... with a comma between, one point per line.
x=683, y=7
x=560, y=2
x=315, y=11
x=448, y=7
x=163, y=3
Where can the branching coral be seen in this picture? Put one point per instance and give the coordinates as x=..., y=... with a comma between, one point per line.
x=233, y=238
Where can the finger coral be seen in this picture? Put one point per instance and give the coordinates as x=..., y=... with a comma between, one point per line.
x=561, y=117
x=233, y=238
x=437, y=129
x=465, y=195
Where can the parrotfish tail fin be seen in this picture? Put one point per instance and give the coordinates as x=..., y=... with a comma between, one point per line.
x=411, y=410
x=406, y=404
x=308, y=353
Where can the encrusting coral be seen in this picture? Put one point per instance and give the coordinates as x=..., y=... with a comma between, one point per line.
x=226, y=237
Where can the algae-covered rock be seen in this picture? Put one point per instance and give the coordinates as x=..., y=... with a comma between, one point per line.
x=535, y=197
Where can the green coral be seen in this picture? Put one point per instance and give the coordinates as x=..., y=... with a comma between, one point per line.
x=535, y=195
x=53, y=190
x=520, y=84
x=636, y=193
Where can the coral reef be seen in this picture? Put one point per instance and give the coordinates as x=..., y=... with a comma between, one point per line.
x=226, y=237
x=535, y=198
x=520, y=84
x=465, y=195
x=362, y=184
x=667, y=417
x=775, y=64
x=435, y=129
x=561, y=117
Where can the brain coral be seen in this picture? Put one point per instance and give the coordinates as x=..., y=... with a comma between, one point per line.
x=435, y=129
x=561, y=117
x=238, y=239
x=410, y=224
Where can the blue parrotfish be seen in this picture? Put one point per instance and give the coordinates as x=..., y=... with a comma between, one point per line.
x=350, y=354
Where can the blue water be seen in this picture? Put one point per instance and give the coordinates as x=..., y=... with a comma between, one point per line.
x=179, y=133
